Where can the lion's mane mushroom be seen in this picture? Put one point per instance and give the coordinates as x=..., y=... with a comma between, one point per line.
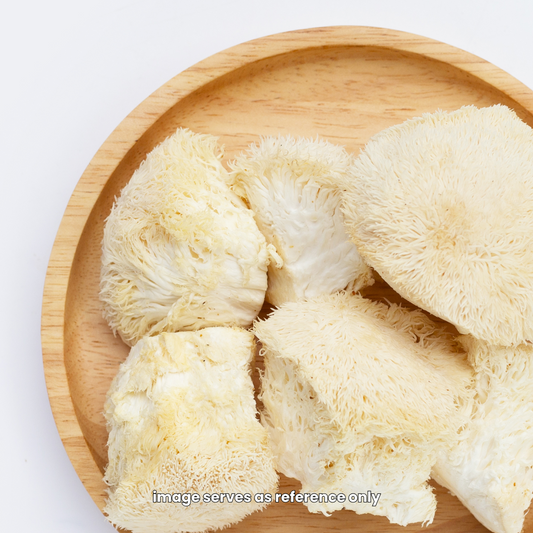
x=490, y=468
x=442, y=207
x=361, y=397
x=180, y=250
x=291, y=187
x=182, y=420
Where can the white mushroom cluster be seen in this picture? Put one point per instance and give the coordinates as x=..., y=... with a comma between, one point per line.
x=181, y=251
x=490, y=467
x=442, y=207
x=356, y=392
x=359, y=395
x=181, y=419
x=291, y=186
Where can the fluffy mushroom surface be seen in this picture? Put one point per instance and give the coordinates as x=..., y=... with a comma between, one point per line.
x=490, y=469
x=291, y=187
x=442, y=207
x=180, y=250
x=361, y=397
x=181, y=417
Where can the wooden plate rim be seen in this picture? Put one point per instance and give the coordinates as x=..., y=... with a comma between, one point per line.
x=124, y=138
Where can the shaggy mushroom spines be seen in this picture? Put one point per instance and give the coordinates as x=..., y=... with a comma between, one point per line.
x=182, y=419
x=291, y=186
x=180, y=250
x=346, y=380
x=442, y=207
x=490, y=467
x=432, y=230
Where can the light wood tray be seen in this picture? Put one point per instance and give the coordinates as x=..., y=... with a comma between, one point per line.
x=341, y=83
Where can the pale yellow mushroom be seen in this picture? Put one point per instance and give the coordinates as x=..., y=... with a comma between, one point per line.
x=442, y=207
x=291, y=187
x=361, y=397
x=182, y=420
x=180, y=250
x=490, y=468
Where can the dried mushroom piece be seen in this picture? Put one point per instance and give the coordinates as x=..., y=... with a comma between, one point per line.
x=442, y=207
x=180, y=250
x=490, y=468
x=181, y=417
x=361, y=397
x=291, y=187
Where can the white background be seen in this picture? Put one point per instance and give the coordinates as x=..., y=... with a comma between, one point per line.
x=69, y=73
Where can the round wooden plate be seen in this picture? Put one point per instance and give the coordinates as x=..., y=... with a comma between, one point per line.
x=341, y=83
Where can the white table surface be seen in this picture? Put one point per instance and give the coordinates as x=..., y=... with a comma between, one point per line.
x=70, y=72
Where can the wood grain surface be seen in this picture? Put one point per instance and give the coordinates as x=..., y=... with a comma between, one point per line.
x=341, y=83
